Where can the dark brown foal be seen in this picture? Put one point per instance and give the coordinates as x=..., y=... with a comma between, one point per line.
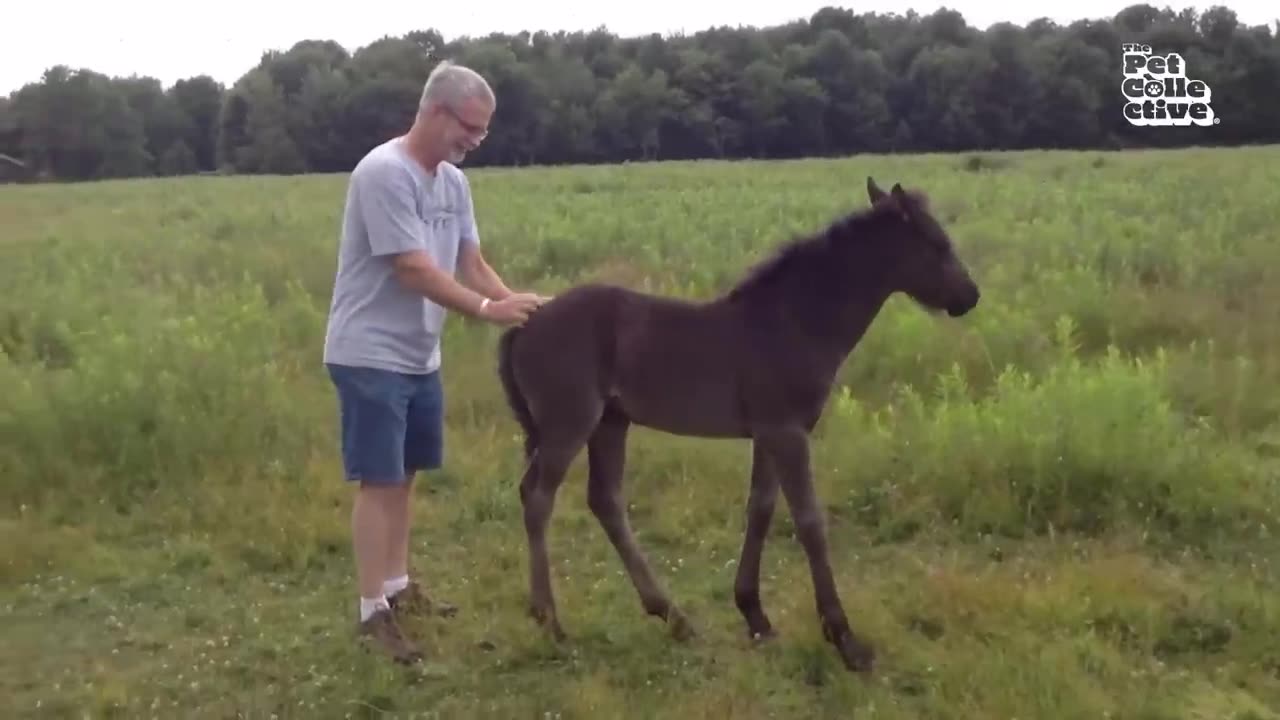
x=757, y=363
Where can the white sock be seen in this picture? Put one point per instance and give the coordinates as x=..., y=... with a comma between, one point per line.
x=368, y=606
x=395, y=585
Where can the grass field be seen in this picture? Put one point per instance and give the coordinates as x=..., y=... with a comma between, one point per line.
x=1061, y=506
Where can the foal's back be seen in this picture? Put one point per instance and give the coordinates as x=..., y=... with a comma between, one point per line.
x=662, y=362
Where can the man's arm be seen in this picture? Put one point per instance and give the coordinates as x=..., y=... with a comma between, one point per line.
x=478, y=275
x=416, y=271
x=385, y=196
x=475, y=272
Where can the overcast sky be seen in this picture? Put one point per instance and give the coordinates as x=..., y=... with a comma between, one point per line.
x=227, y=37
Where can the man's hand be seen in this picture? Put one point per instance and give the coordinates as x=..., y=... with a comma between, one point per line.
x=514, y=309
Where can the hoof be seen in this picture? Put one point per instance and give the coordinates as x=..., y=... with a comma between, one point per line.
x=857, y=656
x=681, y=629
x=759, y=629
x=553, y=628
x=549, y=622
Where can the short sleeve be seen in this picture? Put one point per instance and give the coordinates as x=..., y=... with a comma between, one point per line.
x=385, y=195
x=467, y=215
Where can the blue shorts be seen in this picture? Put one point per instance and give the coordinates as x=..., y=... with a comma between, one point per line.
x=392, y=424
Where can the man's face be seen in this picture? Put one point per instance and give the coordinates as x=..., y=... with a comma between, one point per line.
x=466, y=127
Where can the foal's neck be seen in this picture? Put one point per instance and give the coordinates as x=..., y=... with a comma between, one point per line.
x=857, y=294
x=832, y=310
x=858, y=304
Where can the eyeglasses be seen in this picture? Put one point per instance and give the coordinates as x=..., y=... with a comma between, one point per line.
x=476, y=130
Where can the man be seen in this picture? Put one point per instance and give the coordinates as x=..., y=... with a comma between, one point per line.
x=408, y=228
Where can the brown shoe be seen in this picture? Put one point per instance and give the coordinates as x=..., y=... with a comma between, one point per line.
x=382, y=629
x=414, y=601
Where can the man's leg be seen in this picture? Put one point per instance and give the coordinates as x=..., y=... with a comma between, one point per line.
x=372, y=515
x=395, y=575
x=373, y=408
x=423, y=451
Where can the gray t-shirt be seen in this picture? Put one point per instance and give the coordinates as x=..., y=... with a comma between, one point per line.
x=393, y=205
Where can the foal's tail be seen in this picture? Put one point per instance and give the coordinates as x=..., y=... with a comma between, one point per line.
x=515, y=398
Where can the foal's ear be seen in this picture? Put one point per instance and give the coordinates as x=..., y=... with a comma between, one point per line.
x=899, y=198
x=874, y=191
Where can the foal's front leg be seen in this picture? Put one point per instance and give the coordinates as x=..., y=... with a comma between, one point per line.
x=760, y=506
x=789, y=449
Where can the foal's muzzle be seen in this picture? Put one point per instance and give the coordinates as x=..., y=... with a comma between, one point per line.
x=962, y=307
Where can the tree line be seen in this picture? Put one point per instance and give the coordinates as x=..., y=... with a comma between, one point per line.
x=837, y=83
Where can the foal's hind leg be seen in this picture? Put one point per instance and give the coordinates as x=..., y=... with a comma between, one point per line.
x=546, y=472
x=606, y=452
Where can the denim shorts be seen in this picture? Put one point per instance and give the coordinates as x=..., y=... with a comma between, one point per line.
x=392, y=424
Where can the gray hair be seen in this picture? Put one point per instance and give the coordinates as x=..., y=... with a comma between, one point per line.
x=450, y=84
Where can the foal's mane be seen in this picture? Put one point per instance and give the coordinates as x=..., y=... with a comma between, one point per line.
x=809, y=256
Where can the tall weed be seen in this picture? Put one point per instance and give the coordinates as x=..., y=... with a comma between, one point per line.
x=1089, y=446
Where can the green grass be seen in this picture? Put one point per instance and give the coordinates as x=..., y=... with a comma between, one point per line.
x=1064, y=505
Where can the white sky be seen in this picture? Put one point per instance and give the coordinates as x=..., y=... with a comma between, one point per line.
x=228, y=36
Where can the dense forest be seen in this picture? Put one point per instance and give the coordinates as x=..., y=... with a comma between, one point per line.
x=838, y=83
